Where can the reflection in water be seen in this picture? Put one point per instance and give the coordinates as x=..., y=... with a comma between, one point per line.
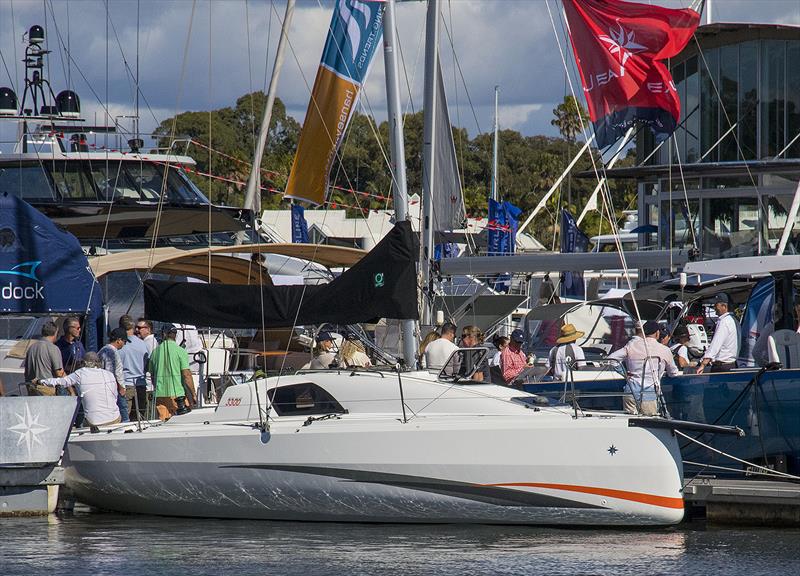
x=100, y=544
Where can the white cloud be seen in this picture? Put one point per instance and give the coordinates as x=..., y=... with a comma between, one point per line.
x=509, y=43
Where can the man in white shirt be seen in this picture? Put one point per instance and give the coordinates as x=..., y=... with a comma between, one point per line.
x=724, y=348
x=438, y=351
x=97, y=388
x=566, y=353
x=646, y=359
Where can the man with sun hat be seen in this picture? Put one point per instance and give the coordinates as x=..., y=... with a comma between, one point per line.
x=565, y=353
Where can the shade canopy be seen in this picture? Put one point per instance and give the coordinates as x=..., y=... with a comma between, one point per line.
x=219, y=264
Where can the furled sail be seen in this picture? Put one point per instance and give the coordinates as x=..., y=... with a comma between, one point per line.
x=353, y=37
x=619, y=48
x=383, y=284
x=448, y=199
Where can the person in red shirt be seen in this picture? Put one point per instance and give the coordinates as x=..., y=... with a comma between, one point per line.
x=512, y=358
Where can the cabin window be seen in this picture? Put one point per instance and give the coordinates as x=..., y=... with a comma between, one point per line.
x=72, y=183
x=26, y=182
x=304, y=399
x=147, y=178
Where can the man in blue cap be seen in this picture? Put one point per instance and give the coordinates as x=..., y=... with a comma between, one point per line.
x=512, y=358
x=721, y=354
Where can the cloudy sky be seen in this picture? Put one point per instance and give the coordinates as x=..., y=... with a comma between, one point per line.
x=197, y=55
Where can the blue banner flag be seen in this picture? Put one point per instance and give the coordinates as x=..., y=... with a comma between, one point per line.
x=572, y=240
x=502, y=227
x=445, y=250
x=299, y=225
x=502, y=236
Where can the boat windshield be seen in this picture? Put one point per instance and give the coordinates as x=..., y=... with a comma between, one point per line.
x=97, y=181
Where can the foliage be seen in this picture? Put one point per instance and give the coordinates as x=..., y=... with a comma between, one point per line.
x=528, y=165
x=570, y=118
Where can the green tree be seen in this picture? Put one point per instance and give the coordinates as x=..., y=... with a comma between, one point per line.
x=231, y=134
x=570, y=116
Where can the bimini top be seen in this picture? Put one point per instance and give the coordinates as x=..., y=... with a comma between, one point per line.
x=224, y=266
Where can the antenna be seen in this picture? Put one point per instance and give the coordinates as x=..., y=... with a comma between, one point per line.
x=35, y=82
x=37, y=86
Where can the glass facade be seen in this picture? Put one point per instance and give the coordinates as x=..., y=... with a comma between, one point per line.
x=740, y=101
x=747, y=94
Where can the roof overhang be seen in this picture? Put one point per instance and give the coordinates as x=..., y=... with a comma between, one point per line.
x=558, y=262
x=752, y=265
x=739, y=168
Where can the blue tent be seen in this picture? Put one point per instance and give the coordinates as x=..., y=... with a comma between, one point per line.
x=43, y=269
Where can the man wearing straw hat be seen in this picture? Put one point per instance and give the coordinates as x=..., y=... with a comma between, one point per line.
x=565, y=353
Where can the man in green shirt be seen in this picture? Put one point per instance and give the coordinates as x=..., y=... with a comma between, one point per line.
x=169, y=365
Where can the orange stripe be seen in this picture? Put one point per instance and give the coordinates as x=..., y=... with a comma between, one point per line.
x=663, y=501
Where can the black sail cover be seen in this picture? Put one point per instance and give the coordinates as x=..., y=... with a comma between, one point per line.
x=383, y=284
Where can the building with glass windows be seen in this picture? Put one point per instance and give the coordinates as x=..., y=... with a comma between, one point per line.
x=725, y=181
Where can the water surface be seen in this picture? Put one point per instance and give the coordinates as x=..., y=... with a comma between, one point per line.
x=114, y=544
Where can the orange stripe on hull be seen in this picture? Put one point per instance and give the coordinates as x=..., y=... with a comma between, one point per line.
x=663, y=501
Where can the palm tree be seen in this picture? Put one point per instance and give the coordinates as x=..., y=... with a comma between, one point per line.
x=568, y=117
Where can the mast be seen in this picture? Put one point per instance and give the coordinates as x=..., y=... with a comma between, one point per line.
x=399, y=188
x=493, y=193
x=252, y=199
x=429, y=152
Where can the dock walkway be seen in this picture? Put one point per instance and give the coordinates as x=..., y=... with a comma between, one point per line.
x=753, y=502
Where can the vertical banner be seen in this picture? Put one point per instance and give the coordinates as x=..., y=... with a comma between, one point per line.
x=620, y=48
x=299, y=225
x=757, y=323
x=572, y=240
x=502, y=236
x=353, y=37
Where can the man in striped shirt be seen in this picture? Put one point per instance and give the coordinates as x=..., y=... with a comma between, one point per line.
x=512, y=358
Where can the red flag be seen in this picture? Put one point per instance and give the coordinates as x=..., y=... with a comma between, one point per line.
x=619, y=47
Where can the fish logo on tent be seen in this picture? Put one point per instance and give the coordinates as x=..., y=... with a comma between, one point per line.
x=20, y=270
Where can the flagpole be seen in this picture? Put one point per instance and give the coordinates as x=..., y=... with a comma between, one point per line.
x=429, y=152
x=592, y=202
x=555, y=185
x=252, y=199
x=399, y=187
x=494, y=194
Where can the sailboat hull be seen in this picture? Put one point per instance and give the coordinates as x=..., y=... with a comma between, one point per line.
x=481, y=469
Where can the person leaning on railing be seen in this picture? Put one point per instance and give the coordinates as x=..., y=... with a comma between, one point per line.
x=97, y=388
x=646, y=359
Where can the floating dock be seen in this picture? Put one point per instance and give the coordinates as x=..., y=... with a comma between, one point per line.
x=751, y=502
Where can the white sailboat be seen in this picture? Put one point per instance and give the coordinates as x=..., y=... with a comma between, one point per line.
x=386, y=446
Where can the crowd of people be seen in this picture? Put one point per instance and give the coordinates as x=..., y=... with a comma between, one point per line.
x=132, y=377
x=503, y=366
